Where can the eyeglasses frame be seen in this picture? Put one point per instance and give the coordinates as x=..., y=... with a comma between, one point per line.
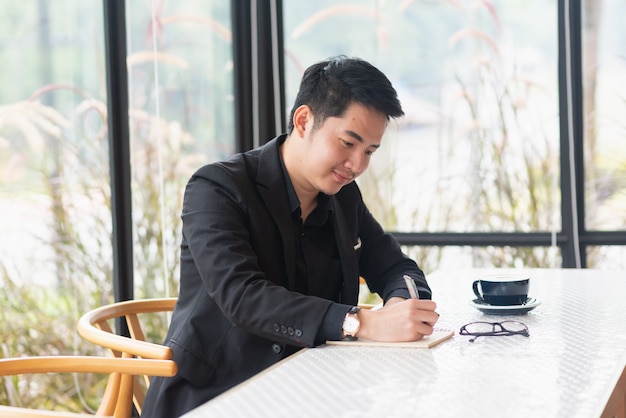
x=502, y=332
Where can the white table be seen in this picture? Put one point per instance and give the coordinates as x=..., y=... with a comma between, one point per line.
x=572, y=364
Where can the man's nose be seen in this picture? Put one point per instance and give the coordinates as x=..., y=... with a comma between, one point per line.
x=357, y=163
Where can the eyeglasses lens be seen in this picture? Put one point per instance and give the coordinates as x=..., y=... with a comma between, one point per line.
x=514, y=326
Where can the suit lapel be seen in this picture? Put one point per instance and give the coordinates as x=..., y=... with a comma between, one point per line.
x=271, y=186
x=347, y=254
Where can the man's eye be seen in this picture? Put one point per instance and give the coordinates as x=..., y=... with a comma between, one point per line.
x=346, y=143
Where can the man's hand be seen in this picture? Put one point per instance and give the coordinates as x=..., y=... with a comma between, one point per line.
x=399, y=320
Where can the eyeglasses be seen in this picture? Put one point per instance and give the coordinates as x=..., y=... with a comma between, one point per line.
x=494, y=329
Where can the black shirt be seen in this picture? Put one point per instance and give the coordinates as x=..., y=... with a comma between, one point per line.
x=318, y=267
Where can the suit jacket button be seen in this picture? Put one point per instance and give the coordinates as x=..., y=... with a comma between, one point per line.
x=277, y=348
x=276, y=327
x=290, y=331
x=298, y=333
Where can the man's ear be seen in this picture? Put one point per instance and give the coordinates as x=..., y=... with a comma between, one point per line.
x=302, y=120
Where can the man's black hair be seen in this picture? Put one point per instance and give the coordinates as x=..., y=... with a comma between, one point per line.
x=330, y=86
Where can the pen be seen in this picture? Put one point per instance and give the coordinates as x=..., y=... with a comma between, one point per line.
x=410, y=284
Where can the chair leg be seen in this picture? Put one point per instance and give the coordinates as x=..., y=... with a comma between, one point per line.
x=139, y=394
x=124, y=407
x=111, y=395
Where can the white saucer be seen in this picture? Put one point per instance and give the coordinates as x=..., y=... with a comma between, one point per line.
x=531, y=303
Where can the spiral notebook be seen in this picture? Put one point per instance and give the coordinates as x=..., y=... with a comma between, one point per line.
x=438, y=336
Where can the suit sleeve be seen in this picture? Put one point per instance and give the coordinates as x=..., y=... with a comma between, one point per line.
x=382, y=262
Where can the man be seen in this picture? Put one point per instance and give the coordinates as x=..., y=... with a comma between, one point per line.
x=275, y=239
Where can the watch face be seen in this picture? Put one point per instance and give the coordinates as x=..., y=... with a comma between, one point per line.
x=351, y=325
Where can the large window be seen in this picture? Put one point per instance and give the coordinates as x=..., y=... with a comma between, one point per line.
x=604, y=95
x=56, y=251
x=55, y=221
x=181, y=117
x=479, y=150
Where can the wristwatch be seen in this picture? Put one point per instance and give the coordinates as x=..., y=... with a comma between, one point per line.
x=351, y=324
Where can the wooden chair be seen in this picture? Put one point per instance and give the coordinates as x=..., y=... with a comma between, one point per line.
x=94, y=327
x=117, y=399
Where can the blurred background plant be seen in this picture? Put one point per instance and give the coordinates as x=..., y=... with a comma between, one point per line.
x=496, y=162
x=77, y=242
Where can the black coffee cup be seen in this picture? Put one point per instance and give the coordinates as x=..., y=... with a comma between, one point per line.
x=502, y=289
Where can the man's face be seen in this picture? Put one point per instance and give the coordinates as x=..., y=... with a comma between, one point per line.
x=340, y=149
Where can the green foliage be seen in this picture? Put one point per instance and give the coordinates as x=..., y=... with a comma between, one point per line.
x=36, y=321
x=80, y=244
x=57, y=171
x=499, y=169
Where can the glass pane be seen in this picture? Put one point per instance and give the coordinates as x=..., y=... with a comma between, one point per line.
x=55, y=218
x=459, y=257
x=608, y=257
x=181, y=117
x=478, y=147
x=604, y=83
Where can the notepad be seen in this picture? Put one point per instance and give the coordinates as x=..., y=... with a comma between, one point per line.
x=438, y=336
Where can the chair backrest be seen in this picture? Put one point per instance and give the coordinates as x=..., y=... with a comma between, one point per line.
x=94, y=327
x=117, y=399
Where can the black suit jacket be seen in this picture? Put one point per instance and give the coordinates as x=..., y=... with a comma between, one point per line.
x=236, y=314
